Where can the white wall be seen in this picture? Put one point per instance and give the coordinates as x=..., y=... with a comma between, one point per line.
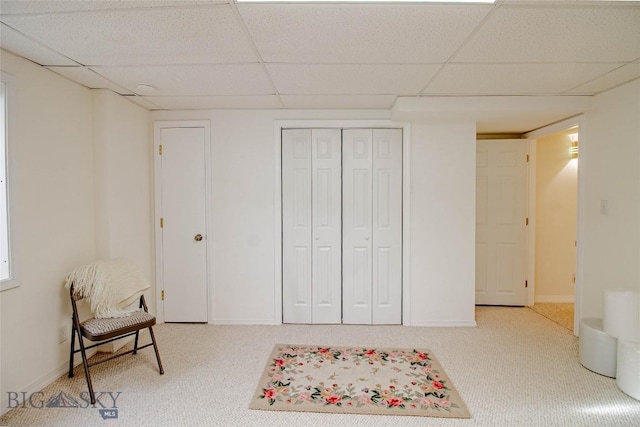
x=556, y=209
x=123, y=182
x=243, y=210
x=610, y=156
x=81, y=186
x=443, y=218
x=52, y=217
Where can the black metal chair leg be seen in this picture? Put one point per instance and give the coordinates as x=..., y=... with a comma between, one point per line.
x=85, y=363
x=72, y=353
x=135, y=344
x=155, y=347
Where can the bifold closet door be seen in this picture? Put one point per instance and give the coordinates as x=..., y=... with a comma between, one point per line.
x=372, y=226
x=311, y=225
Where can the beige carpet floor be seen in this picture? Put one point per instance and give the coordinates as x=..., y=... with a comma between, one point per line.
x=516, y=368
x=561, y=313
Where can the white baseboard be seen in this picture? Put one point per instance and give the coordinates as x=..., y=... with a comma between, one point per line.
x=554, y=298
x=428, y=323
x=244, y=322
x=45, y=380
x=444, y=323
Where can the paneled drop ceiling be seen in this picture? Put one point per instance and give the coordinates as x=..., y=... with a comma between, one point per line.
x=213, y=54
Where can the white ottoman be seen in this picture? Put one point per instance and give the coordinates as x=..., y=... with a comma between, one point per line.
x=621, y=314
x=628, y=374
x=597, y=350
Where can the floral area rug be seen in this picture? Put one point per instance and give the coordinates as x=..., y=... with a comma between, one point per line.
x=357, y=380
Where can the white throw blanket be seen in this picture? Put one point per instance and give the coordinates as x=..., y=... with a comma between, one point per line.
x=111, y=286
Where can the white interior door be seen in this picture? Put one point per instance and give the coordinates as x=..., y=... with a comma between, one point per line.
x=297, y=227
x=372, y=226
x=311, y=226
x=387, y=227
x=357, y=187
x=183, y=212
x=327, y=226
x=342, y=226
x=501, y=219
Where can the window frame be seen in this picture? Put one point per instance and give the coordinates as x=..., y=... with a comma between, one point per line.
x=7, y=80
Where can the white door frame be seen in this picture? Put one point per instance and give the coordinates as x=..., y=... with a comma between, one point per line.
x=157, y=179
x=406, y=202
x=545, y=131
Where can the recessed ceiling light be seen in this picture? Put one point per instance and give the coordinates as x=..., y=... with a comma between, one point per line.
x=143, y=87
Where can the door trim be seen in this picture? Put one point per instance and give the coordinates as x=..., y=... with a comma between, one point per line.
x=531, y=230
x=159, y=282
x=406, y=202
x=582, y=166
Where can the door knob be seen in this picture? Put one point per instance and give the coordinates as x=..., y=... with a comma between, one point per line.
x=198, y=237
x=317, y=237
x=366, y=238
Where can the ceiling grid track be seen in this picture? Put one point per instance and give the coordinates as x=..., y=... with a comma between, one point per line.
x=218, y=54
x=238, y=16
x=41, y=45
x=462, y=45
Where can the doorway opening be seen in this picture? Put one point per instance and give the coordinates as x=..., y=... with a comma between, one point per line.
x=553, y=222
x=555, y=233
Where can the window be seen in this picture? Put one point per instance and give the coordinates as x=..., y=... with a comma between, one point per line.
x=6, y=278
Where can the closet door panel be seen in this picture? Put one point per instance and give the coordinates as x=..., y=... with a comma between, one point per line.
x=296, y=226
x=387, y=226
x=342, y=226
x=357, y=218
x=327, y=226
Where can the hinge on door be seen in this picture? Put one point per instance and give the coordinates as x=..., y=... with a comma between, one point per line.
x=527, y=158
x=526, y=221
x=160, y=149
x=161, y=222
x=526, y=285
x=162, y=295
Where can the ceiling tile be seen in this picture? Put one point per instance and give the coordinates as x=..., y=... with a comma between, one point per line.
x=556, y=34
x=331, y=33
x=374, y=79
x=338, y=102
x=89, y=78
x=192, y=80
x=621, y=75
x=198, y=35
x=513, y=79
x=12, y=7
x=216, y=102
x=15, y=42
